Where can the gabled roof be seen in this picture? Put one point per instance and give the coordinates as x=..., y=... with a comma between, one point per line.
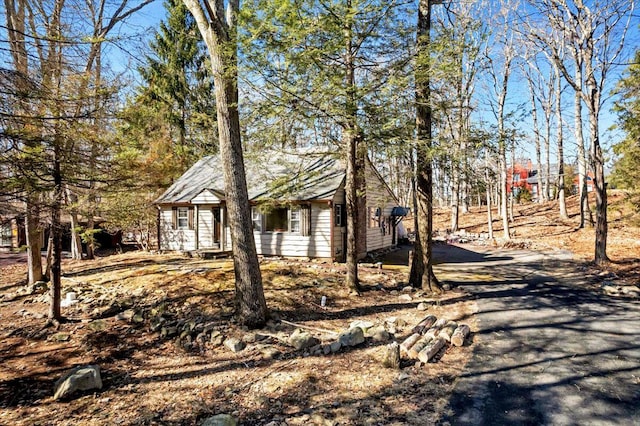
x=276, y=176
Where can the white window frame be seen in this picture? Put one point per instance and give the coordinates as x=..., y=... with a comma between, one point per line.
x=182, y=221
x=256, y=219
x=295, y=223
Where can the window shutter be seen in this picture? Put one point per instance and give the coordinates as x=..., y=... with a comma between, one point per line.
x=344, y=215
x=190, y=217
x=174, y=218
x=305, y=219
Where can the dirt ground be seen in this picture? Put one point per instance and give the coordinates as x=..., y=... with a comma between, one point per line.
x=538, y=226
x=152, y=377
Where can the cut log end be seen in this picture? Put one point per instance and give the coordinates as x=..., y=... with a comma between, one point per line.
x=460, y=334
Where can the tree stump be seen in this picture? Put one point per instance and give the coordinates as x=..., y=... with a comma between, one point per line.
x=460, y=334
x=431, y=349
x=392, y=356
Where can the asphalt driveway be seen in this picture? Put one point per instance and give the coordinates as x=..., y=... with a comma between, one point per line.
x=547, y=351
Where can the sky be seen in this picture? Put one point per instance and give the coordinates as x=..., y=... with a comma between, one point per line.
x=126, y=53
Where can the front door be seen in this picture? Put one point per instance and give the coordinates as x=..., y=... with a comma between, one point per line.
x=216, y=227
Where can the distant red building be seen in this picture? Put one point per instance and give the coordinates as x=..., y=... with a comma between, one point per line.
x=518, y=177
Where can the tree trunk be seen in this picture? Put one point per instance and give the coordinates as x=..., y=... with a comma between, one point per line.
x=56, y=230
x=33, y=234
x=251, y=307
x=76, y=241
x=351, y=197
x=585, y=211
x=560, y=139
x=50, y=243
x=488, y=194
x=90, y=236
x=600, y=185
x=513, y=171
x=455, y=199
x=422, y=267
x=502, y=159
x=220, y=37
x=356, y=214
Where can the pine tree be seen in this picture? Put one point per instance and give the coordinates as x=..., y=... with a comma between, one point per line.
x=178, y=86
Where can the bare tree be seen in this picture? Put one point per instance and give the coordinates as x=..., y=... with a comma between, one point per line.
x=499, y=71
x=597, y=33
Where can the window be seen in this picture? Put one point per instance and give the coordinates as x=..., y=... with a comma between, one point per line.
x=374, y=217
x=277, y=220
x=337, y=209
x=183, y=218
x=256, y=218
x=294, y=219
x=5, y=234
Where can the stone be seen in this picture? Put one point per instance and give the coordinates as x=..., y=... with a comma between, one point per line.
x=97, y=325
x=125, y=315
x=302, y=340
x=402, y=376
x=364, y=325
x=78, y=379
x=405, y=298
x=422, y=306
x=326, y=349
x=217, y=338
x=220, y=420
x=62, y=337
x=381, y=335
x=249, y=338
x=399, y=322
x=407, y=289
x=270, y=353
x=234, y=345
x=352, y=337
x=168, y=332
x=335, y=346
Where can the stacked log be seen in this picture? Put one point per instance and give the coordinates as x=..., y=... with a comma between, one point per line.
x=448, y=330
x=429, y=351
x=461, y=333
x=420, y=344
x=430, y=335
x=425, y=324
x=409, y=342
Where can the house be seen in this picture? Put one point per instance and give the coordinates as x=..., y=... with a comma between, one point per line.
x=12, y=231
x=298, y=208
x=523, y=175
